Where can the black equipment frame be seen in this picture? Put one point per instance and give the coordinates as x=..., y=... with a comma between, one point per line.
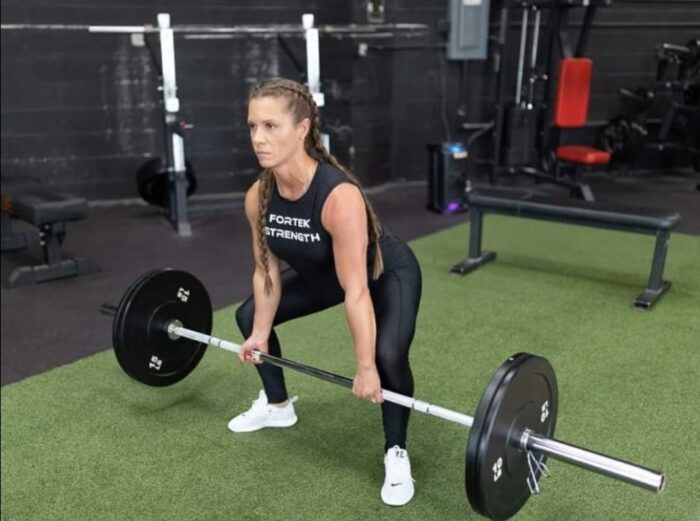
x=560, y=42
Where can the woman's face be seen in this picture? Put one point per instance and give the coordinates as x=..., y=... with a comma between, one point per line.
x=273, y=133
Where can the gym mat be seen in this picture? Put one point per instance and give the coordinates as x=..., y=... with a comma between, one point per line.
x=83, y=441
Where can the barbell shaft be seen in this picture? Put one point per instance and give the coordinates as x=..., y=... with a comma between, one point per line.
x=584, y=458
x=390, y=396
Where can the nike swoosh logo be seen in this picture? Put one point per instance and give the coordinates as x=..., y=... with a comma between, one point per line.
x=396, y=484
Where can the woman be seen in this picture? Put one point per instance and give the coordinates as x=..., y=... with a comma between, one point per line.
x=308, y=210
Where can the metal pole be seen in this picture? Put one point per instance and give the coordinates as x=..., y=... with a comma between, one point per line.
x=521, y=58
x=174, y=144
x=532, y=70
x=313, y=60
x=313, y=67
x=121, y=29
x=605, y=465
x=501, y=79
x=244, y=30
x=658, y=260
x=535, y=38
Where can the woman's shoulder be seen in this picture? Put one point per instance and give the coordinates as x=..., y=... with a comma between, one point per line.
x=330, y=173
x=252, y=200
x=334, y=179
x=252, y=193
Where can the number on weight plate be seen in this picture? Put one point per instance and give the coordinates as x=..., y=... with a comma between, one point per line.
x=183, y=294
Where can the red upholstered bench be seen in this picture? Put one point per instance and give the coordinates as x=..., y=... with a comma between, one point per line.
x=583, y=155
x=571, y=111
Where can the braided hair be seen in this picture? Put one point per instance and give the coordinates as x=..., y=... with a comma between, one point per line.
x=301, y=104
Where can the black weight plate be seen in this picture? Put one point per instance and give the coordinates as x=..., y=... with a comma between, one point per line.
x=141, y=343
x=152, y=181
x=119, y=315
x=521, y=395
x=471, y=478
x=615, y=135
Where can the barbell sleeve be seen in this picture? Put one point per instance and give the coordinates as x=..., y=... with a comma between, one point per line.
x=600, y=463
x=108, y=309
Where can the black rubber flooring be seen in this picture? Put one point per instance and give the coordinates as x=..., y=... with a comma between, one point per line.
x=52, y=324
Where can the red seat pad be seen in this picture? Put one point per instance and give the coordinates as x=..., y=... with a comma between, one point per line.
x=582, y=154
x=573, y=90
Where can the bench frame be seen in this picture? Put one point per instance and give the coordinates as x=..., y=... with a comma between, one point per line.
x=49, y=235
x=656, y=285
x=54, y=267
x=11, y=240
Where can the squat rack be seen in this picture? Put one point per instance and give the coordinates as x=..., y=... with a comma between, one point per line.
x=177, y=208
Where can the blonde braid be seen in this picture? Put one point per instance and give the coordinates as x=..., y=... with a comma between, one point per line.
x=264, y=193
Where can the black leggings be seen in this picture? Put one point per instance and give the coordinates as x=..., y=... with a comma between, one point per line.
x=395, y=297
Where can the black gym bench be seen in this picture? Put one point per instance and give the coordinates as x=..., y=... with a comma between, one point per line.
x=616, y=217
x=49, y=212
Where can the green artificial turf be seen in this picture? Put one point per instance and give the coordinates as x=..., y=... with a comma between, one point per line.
x=85, y=442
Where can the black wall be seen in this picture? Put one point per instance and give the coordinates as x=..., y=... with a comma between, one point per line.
x=81, y=112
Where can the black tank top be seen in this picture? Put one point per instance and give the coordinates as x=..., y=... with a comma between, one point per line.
x=294, y=230
x=296, y=235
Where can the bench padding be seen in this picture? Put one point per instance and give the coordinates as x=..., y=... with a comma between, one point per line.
x=40, y=208
x=527, y=204
x=583, y=154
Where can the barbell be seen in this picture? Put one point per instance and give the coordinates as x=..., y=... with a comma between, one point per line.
x=162, y=327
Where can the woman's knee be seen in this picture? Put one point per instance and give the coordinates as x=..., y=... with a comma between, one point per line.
x=390, y=359
x=395, y=370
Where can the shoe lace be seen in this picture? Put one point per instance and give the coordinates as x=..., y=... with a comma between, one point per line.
x=399, y=466
x=398, y=452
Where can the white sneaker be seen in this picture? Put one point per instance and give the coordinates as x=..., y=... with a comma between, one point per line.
x=261, y=415
x=398, y=486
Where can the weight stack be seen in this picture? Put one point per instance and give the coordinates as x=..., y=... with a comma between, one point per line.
x=447, y=177
x=521, y=132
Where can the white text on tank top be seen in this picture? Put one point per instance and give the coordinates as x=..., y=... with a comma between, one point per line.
x=291, y=229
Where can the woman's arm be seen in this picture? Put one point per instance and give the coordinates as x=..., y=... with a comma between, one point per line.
x=345, y=217
x=265, y=303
